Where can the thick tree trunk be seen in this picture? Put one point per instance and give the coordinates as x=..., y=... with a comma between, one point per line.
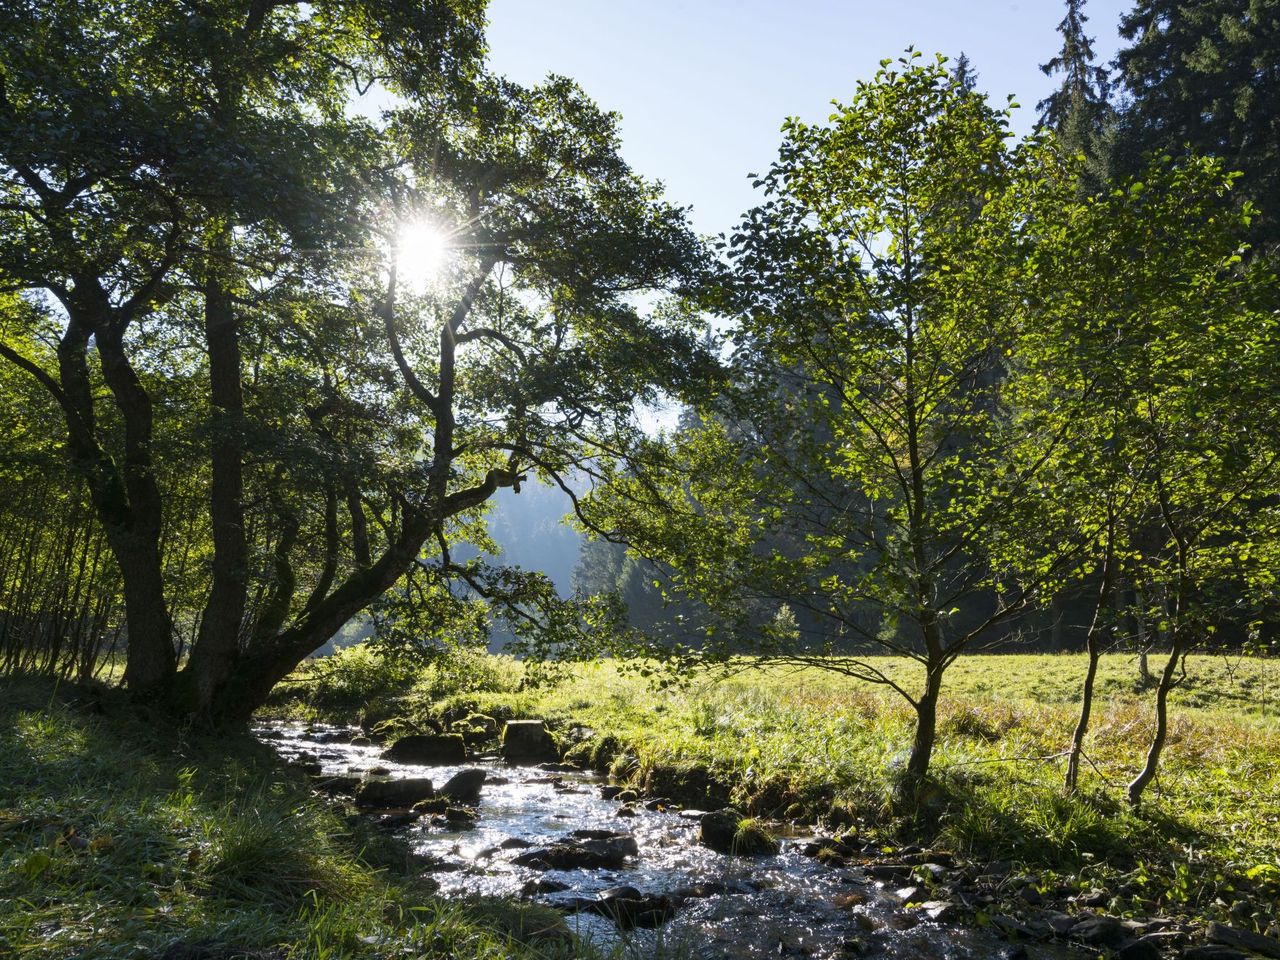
x=127, y=501
x=217, y=646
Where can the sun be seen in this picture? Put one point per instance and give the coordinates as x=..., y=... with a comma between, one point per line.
x=422, y=250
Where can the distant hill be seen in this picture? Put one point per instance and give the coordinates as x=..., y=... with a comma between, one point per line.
x=529, y=527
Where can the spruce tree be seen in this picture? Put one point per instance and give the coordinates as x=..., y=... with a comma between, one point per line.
x=966, y=78
x=1204, y=77
x=1079, y=111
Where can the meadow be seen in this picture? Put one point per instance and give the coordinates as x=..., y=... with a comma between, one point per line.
x=818, y=748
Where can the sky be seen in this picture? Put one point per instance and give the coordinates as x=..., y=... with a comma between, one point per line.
x=702, y=86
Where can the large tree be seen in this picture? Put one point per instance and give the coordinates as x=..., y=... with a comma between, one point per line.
x=1079, y=110
x=1204, y=76
x=219, y=252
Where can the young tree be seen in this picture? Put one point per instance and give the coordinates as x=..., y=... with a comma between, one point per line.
x=1143, y=306
x=876, y=301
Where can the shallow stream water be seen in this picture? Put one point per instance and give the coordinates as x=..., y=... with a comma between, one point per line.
x=783, y=906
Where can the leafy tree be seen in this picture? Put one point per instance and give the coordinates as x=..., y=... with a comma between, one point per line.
x=217, y=238
x=1202, y=76
x=876, y=291
x=1144, y=314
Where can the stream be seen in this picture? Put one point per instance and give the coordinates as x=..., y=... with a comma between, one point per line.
x=787, y=905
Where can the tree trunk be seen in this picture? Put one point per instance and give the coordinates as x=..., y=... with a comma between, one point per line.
x=1139, y=784
x=926, y=733
x=217, y=645
x=127, y=501
x=1101, y=623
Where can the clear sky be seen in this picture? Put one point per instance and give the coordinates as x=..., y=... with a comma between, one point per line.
x=703, y=85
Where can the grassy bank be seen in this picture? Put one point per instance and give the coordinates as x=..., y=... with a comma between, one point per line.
x=815, y=746
x=122, y=838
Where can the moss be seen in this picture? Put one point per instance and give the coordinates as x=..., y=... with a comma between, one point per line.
x=751, y=839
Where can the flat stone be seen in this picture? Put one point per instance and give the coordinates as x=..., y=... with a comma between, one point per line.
x=610, y=854
x=1243, y=939
x=543, y=885
x=1212, y=951
x=528, y=742
x=428, y=749
x=1099, y=930
x=394, y=793
x=614, y=893
x=940, y=911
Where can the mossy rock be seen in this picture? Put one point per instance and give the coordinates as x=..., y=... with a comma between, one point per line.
x=480, y=723
x=728, y=831
x=580, y=754
x=603, y=751
x=691, y=786
x=622, y=767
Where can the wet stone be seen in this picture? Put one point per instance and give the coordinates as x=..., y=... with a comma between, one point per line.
x=543, y=886
x=394, y=793
x=428, y=749
x=464, y=786
x=940, y=911
x=609, y=854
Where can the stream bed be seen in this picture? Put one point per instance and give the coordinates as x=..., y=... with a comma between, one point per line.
x=707, y=905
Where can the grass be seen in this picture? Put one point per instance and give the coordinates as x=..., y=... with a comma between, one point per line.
x=813, y=745
x=120, y=837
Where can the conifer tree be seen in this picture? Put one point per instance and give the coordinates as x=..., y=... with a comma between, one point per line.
x=1079, y=111
x=1203, y=77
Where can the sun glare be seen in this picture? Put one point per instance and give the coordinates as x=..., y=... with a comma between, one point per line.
x=422, y=249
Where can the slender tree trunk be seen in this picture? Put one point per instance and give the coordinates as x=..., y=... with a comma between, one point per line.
x=1094, y=643
x=1140, y=783
x=926, y=733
